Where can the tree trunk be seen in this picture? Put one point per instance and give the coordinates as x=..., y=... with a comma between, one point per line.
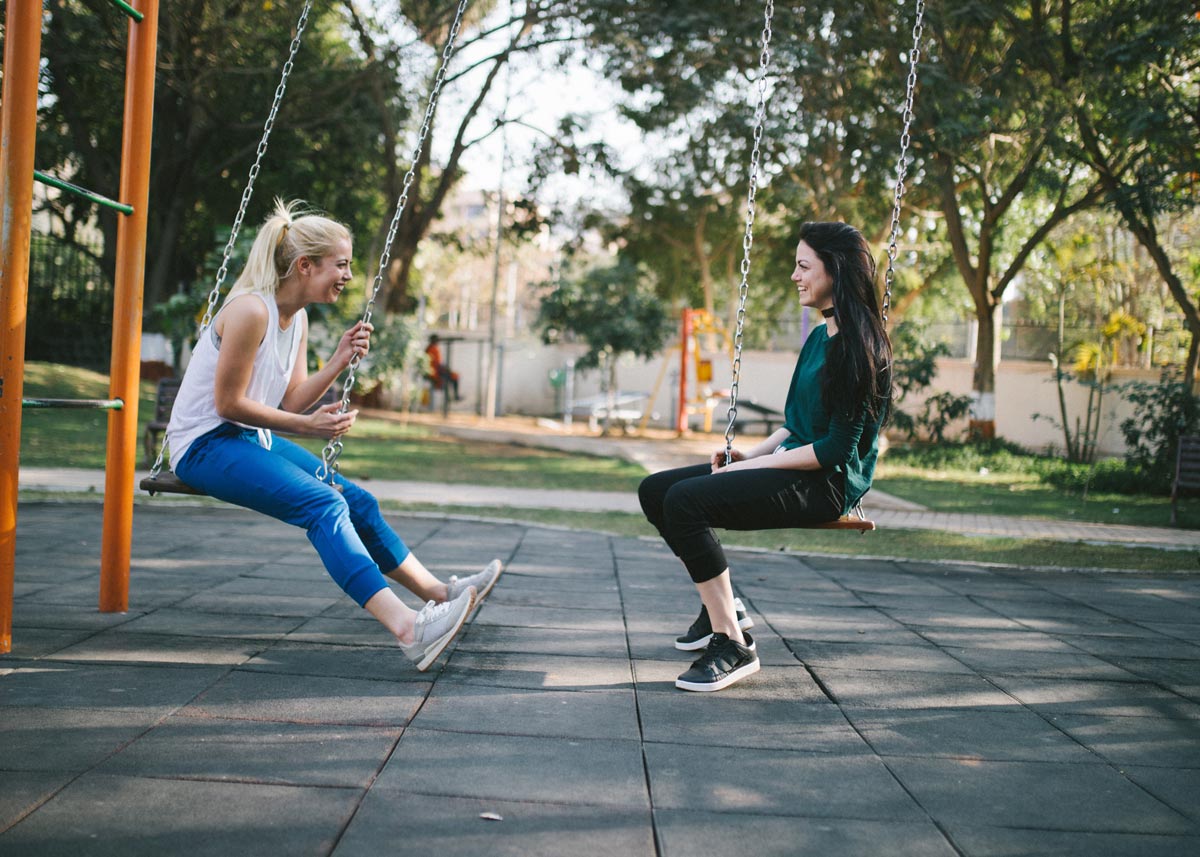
x=161, y=254
x=982, y=422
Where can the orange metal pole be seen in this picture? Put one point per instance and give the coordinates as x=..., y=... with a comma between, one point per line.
x=125, y=371
x=18, y=128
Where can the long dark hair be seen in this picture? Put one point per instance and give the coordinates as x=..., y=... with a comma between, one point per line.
x=858, y=364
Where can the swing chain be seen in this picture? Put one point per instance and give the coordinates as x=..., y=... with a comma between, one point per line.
x=760, y=117
x=901, y=162
x=329, y=455
x=215, y=295
x=248, y=191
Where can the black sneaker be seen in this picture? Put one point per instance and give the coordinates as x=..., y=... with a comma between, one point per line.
x=723, y=662
x=700, y=633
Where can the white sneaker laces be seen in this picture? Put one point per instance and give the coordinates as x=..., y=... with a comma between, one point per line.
x=432, y=610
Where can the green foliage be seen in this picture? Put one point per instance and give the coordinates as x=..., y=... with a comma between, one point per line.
x=916, y=366
x=218, y=67
x=996, y=455
x=1001, y=458
x=1162, y=412
x=177, y=319
x=395, y=346
x=1111, y=475
x=613, y=309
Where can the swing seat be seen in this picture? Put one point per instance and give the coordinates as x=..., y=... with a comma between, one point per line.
x=167, y=482
x=846, y=522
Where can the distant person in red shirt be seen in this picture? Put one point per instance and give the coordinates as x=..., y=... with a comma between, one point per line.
x=439, y=372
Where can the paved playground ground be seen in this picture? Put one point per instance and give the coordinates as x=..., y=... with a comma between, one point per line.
x=244, y=706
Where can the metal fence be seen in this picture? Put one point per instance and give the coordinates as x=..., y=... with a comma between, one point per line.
x=70, y=305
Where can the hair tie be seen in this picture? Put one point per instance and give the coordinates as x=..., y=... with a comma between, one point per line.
x=283, y=234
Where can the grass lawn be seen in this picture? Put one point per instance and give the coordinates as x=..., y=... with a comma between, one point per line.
x=70, y=438
x=1022, y=495
x=380, y=449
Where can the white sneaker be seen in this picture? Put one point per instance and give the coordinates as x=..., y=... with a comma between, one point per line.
x=435, y=627
x=483, y=582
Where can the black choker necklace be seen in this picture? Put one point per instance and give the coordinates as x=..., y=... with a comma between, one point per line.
x=828, y=313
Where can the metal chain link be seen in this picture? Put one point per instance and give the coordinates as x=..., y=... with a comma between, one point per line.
x=901, y=164
x=333, y=450
x=215, y=295
x=760, y=117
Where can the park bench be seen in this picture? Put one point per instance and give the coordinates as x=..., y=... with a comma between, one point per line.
x=164, y=400
x=1187, y=471
x=754, y=414
x=623, y=409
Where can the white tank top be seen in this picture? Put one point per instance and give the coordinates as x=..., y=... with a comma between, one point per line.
x=195, y=410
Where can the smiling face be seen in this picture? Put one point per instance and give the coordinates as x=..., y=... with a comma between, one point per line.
x=813, y=283
x=327, y=277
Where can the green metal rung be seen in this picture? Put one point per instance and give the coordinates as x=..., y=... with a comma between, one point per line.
x=78, y=404
x=84, y=192
x=128, y=10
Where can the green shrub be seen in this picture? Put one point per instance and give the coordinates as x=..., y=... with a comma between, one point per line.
x=1162, y=412
x=1108, y=475
x=914, y=373
x=997, y=455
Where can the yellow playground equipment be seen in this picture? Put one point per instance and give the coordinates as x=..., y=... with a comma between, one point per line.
x=699, y=330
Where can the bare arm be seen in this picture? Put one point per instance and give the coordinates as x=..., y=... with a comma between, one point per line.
x=304, y=390
x=242, y=326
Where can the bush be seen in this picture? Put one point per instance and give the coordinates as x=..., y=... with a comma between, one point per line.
x=914, y=372
x=1109, y=475
x=997, y=455
x=1162, y=413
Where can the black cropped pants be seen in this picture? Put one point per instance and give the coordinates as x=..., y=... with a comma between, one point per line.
x=685, y=505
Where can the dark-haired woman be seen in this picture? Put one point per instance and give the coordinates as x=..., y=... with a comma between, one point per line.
x=814, y=469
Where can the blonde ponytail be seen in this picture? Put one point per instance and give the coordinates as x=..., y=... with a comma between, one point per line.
x=288, y=234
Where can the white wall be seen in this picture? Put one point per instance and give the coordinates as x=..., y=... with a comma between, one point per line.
x=1022, y=388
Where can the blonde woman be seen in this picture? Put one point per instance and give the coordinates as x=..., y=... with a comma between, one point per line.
x=248, y=378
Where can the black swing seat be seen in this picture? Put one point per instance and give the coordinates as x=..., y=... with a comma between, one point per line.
x=167, y=482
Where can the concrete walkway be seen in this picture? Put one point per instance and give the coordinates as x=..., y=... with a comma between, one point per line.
x=244, y=706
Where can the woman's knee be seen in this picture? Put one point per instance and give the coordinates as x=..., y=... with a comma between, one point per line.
x=361, y=501
x=325, y=508
x=680, y=502
x=650, y=496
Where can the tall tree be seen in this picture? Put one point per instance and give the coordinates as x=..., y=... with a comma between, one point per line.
x=991, y=147
x=219, y=64
x=1129, y=74
x=488, y=41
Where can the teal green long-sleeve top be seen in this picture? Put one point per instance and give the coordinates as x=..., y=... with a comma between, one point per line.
x=839, y=444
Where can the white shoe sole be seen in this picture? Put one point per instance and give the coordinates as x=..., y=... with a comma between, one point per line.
x=706, y=687
x=696, y=645
x=482, y=594
x=441, y=642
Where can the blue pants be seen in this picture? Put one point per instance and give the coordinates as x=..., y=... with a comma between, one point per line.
x=346, y=527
